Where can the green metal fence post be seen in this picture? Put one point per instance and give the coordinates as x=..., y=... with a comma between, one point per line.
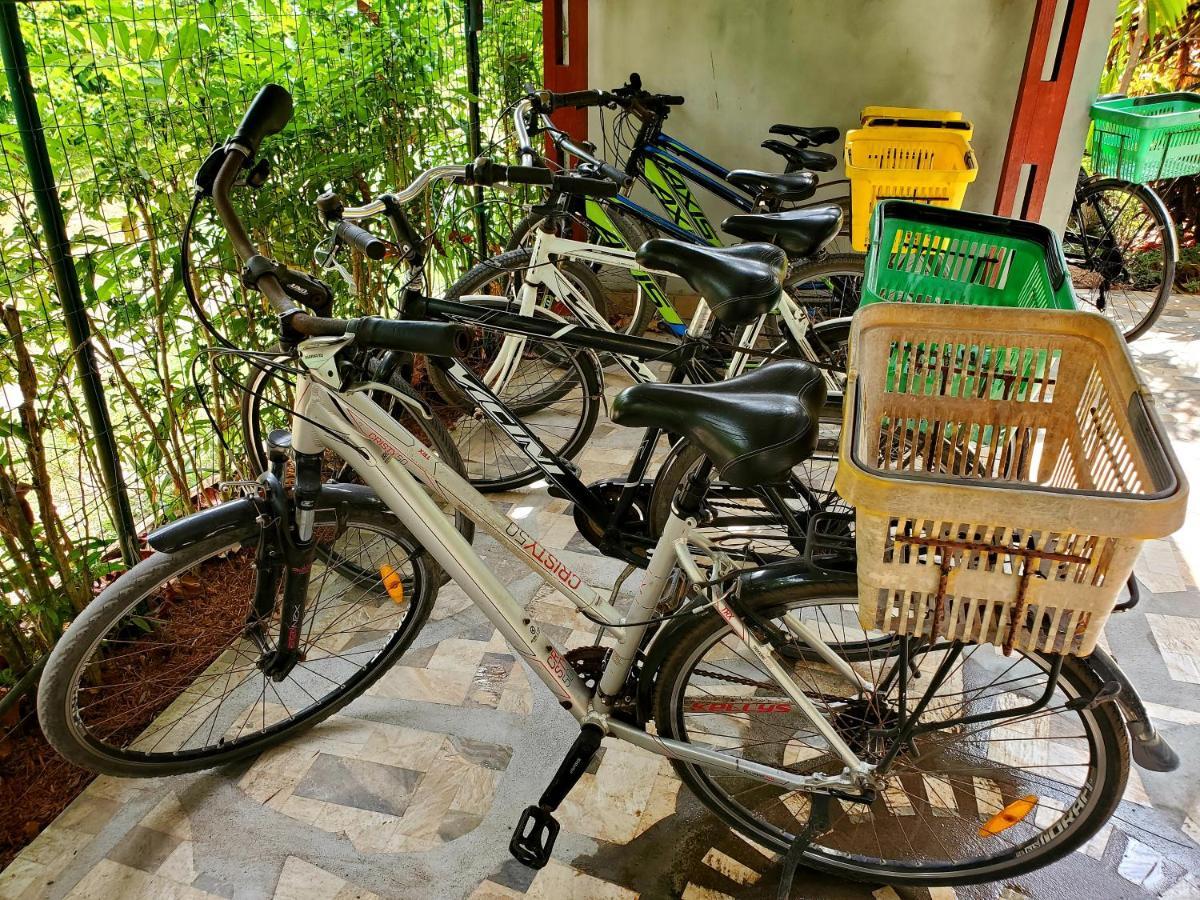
x=66, y=280
x=473, y=24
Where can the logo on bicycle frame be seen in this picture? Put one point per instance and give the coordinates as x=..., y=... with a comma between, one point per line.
x=548, y=560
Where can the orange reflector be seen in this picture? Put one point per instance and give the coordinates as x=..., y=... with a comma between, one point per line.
x=1009, y=816
x=393, y=583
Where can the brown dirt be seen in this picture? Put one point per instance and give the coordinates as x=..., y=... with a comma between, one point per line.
x=36, y=784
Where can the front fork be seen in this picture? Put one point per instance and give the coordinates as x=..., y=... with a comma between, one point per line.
x=285, y=553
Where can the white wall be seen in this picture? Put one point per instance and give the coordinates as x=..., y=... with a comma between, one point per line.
x=746, y=64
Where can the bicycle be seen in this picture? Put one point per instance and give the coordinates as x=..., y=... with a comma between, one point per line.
x=626, y=507
x=666, y=166
x=613, y=513
x=1121, y=246
x=766, y=694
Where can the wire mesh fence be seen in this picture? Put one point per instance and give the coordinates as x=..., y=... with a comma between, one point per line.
x=132, y=94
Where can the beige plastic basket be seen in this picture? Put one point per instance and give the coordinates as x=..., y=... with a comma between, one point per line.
x=1005, y=466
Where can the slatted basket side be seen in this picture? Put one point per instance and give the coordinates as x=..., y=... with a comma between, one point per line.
x=1004, y=464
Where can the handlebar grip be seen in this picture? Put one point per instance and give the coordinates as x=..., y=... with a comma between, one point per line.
x=586, y=187
x=611, y=172
x=429, y=338
x=575, y=100
x=352, y=234
x=671, y=99
x=524, y=175
x=269, y=112
x=486, y=173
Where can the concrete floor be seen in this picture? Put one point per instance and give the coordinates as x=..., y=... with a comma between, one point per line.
x=457, y=731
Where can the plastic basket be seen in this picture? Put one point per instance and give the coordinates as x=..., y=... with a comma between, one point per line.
x=930, y=165
x=1011, y=519
x=926, y=254
x=1146, y=138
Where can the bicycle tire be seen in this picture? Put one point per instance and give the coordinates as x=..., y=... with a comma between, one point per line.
x=587, y=378
x=70, y=657
x=1108, y=732
x=1083, y=270
x=850, y=268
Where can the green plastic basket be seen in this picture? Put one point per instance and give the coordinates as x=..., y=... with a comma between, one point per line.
x=1146, y=138
x=929, y=254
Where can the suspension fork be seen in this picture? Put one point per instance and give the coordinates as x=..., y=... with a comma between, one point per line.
x=294, y=532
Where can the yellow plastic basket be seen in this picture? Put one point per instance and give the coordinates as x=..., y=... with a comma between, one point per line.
x=1005, y=466
x=924, y=164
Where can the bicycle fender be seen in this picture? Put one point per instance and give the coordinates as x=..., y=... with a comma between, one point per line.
x=773, y=583
x=232, y=516
x=224, y=518
x=1150, y=749
x=764, y=586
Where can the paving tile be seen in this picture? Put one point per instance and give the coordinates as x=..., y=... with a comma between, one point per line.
x=144, y=849
x=360, y=784
x=558, y=881
x=1178, y=641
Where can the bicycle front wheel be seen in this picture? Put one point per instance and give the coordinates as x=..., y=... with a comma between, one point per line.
x=924, y=826
x=161, y=673
x=267, y=405
x=1121, y=252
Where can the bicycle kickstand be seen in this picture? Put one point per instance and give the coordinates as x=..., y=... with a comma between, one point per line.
x=818, y=824
x=536, y=830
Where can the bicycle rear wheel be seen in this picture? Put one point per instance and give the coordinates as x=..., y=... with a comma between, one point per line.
x=160, y=675
x=1121, y=251
x=924, y=826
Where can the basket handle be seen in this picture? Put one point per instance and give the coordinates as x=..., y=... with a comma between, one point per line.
x=1054, y=268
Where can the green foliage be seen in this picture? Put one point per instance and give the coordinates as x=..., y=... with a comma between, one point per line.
x=133, y=94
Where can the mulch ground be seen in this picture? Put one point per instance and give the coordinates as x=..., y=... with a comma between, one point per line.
x=36, y=784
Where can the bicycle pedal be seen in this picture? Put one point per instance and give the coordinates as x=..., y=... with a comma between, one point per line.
x=534, y=837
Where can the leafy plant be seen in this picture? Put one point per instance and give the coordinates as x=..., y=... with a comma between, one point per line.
x=133, y=94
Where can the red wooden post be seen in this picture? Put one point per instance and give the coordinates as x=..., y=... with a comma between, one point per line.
x=565, y=57
x=1041, y=101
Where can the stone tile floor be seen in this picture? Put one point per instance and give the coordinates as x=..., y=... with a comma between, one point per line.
x=412, y=791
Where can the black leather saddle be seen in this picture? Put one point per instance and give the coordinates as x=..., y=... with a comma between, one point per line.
x=808, y=135
x=739, y=284
x=771, y=186
x=753, y=428
x=798, y=232
x=799, y=158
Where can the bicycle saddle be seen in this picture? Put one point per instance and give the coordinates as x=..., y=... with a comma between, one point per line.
x=753, y=428
x=795, y=186
x=737, y=283
x=813, y=160
x=798, y=232
x=813, y=134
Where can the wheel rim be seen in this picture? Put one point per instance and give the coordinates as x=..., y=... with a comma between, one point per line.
x=188, y=684
x=936, y=802
x=828, y=295
x=546, y=389
x=1114, y=245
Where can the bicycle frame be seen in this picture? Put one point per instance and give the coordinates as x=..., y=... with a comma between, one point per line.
x=392, y=462
x=542, y=272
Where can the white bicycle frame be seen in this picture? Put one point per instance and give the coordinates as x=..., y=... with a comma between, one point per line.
x=541, y=272
x=391, y=461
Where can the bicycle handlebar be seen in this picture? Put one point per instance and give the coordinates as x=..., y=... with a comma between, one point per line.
x=267, y=115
